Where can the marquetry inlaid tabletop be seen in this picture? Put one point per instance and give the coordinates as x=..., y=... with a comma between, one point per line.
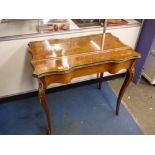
x=58, y=56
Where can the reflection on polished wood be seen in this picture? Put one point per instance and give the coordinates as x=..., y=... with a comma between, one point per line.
x=61, y=60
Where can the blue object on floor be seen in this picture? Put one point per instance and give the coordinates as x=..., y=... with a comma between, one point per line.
x=79, y=111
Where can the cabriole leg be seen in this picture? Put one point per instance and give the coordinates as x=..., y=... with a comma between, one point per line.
x=42, y=89
x=128, y=79
x=100, y=80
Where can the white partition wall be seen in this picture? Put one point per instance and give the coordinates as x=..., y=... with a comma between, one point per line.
x=149, y=67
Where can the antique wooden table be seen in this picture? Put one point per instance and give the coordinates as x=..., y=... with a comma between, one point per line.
x=61, y=60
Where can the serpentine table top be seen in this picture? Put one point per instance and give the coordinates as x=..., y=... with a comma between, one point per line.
x=57, y=56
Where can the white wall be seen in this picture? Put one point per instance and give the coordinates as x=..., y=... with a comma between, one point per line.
x=149, y=69
x=16, y=70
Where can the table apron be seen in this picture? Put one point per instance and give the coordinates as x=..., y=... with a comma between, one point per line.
x=65, y=78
